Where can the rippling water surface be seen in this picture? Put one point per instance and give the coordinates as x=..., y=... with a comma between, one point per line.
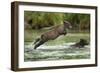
x=56, y=52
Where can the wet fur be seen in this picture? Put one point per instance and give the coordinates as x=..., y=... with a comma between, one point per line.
x=52, y=34
x=80, y=44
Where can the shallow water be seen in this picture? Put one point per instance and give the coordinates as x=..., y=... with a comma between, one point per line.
x=56, y=52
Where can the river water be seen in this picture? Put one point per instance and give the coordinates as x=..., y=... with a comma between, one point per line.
x=56, y=52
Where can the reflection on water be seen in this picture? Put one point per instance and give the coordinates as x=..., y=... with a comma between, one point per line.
x=56, y=52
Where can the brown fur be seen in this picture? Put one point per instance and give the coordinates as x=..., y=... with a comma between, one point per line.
x=52, y=34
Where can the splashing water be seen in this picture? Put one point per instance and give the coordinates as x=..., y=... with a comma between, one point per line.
x=62, y=46
x=55, y=52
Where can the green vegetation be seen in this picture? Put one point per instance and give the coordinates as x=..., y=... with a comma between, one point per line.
x=39, y=20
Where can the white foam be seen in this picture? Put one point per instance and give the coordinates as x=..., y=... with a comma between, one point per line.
x=60, y=46
x=51, y=47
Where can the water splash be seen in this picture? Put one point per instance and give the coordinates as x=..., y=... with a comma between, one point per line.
x=55, y=52
x=30, y=47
